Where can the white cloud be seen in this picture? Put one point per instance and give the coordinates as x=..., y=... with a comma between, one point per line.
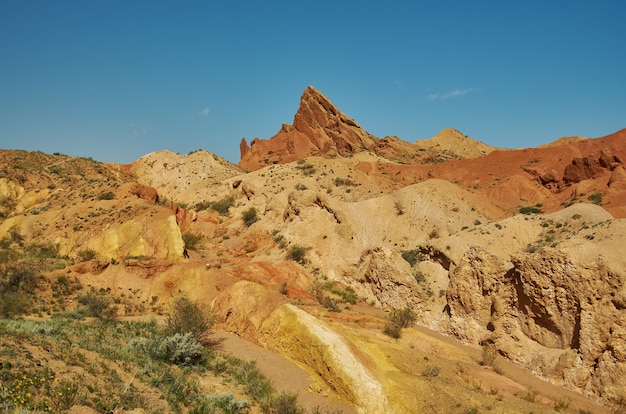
x=455, y=93
x=206, y=111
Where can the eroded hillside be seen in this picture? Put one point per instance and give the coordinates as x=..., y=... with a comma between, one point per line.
x=511, y=262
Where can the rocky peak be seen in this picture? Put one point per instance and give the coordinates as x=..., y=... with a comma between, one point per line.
x=319, y=128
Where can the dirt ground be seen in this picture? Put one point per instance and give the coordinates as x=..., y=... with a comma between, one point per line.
x=284, y=374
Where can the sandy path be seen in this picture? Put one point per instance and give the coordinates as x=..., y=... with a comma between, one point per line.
x=284, y=374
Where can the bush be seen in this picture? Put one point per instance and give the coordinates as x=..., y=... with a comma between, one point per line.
x=13, y=304
x=177, y=349
x=343, y=182
x=222, y=206
x=250, y=216
x=186, y=316
x=86, y=255
x=488, y=355
x=247, y=374
x=106, y=196
x=287, y=403
x=397, y=320
x=529, y=210
x=307, y=169
x=226, y=403
x=98, y=304
x=193, y=241
x=595, y=198
x=412, y=256
x=297, y=253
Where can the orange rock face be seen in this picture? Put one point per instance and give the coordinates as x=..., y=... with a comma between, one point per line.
x=319, y=128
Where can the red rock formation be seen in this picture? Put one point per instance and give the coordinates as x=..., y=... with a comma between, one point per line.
x=590, y=166
x=318, y=128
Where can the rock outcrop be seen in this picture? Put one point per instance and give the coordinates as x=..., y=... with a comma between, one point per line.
x=561, y=318
x=318, y=128
x=591, y=166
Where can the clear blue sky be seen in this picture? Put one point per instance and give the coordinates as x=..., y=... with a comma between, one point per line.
x=114, y=80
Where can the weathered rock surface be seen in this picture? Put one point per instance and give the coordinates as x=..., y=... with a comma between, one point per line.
x=560, y=315
x=318, y=128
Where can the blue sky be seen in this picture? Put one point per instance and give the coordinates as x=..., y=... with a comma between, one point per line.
x=114, y=80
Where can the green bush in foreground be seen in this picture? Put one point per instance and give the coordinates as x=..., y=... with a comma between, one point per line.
x=190, y=317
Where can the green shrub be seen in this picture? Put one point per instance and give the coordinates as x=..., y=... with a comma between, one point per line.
x=179, y=349
x=595, y=198
x=98, y=304
x=43, y=250
x=413, y=256
x=86, y=255
x=226, y=403
x=307, y=169
x=106, y=196
x=193, y=241
x=529, y=210
x=297, y=253
x=13, y=304
x=223, y=206
x=397, y=320
x=419, y=277
x=488, y=355
x=186, y=316
x=247, y=374
x=249, y=216
x=343, y=182
x=287, y=403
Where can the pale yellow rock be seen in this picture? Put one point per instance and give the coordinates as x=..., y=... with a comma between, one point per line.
x=304, y=338
x=8, y=189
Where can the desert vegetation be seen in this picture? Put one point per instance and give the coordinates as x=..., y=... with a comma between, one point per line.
x=125, y=365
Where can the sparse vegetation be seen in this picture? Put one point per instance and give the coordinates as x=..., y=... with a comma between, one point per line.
x=86, y=255
x=432, y=371
x=346, y=182
x=529, y=210
x=306, y=168
x=399, y=208
x=187, y=317
x=193, y=241
x=413, y=256
x=106, y=196
x=489, y=355
x=595, y=198
x=249, y=216
x=331, y=297
x=223, y=205
x=98, y=303
x=164, y=365
x=398, y=320
x=297, y=253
